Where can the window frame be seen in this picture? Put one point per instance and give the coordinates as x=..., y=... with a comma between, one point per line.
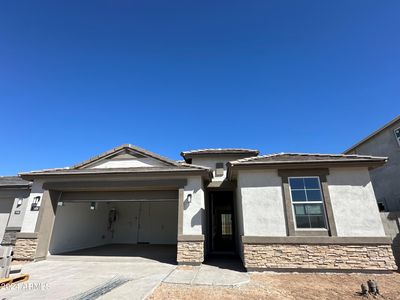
x=293, y=203
x=395, y=135
x=322, y=173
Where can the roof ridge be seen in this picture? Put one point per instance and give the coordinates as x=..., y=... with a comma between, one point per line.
x=261, y=157
x=194, y=166
x=122, y=147
x=330, y=154
x=220, y=149
x=255, y=157
x=45, y=170
x=379, y=130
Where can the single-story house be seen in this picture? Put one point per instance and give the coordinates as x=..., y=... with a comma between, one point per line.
x=285, y=211
x=13, y=194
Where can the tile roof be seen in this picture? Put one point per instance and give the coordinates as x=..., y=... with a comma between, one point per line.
x=166, y=169
x=170, y=165
x=220, y=151
x=13, y=181
x=128, y=147
x=304, y=157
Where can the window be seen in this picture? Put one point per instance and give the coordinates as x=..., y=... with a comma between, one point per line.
x=35, y=206
x=397, y=134
x=307, y=202
x=219, y=169
x=226, y=222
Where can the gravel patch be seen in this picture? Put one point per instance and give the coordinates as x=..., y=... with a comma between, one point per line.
x=286, y=286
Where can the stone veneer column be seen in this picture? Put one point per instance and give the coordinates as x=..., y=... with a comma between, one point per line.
x=354, y=257
x=190, y=250
x=25, y=246
x=35, y=245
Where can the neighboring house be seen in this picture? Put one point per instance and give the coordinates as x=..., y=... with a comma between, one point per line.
x=13, y=194
x=280, y=211
x=386, y=179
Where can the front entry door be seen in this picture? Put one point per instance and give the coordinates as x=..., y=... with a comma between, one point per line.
x=222, y=222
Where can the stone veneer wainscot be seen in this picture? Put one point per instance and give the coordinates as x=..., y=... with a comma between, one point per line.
x=328, y=257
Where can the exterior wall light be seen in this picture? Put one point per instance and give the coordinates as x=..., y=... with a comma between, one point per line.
x=189, y=198
x=93, y=205
x=60, y=203
x=19, y=202
x=35, y=204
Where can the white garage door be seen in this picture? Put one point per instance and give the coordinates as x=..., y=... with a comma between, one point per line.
x=158, y=222
x=146, y=222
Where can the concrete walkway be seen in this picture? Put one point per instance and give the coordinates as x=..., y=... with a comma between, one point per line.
x=207, y=275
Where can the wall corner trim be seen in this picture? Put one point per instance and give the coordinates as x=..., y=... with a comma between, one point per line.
x=191, y=238
x=27, y=235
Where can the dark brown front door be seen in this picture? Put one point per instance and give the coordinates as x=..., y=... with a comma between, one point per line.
x=222, y=222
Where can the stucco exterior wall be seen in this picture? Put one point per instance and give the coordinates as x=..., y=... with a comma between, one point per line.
x=239, y=222
x=261, y=202
x=128, y=163
x=353, y=203
x=194, y=208
x=88, y=228
x=18, y=213
x=386, y=178
x=5, y=210
x=11, y=213
x=30, y=217
x=210, y=162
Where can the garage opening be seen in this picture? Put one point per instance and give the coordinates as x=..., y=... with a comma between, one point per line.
x=135, y=224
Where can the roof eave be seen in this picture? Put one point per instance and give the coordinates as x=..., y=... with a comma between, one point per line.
x=22, y=187
x=207, y=174
x=371, y=164
x=187, y=156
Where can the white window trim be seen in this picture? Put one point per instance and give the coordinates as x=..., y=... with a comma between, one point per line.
x=397, y=138
x=308, y=202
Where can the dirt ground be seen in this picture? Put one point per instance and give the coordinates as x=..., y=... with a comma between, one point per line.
x=288, y=286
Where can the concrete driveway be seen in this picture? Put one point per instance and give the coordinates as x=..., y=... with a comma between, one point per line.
x=98, y=273
x=89, y=278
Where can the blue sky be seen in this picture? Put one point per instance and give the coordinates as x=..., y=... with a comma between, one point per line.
x=80, y=77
